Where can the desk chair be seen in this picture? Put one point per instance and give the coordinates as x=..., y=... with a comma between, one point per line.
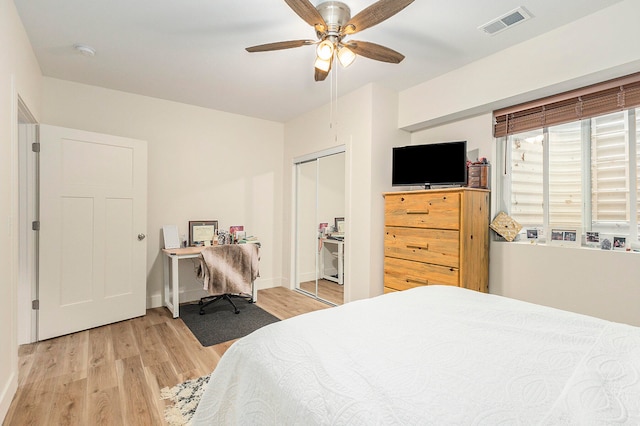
x=228, y=271
x=208, y=300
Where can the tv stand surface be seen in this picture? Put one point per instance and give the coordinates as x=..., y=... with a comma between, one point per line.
x=434, y=189
x=453, y=185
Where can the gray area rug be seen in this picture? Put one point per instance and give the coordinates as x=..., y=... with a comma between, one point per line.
x=185, y=398
x=220, y=324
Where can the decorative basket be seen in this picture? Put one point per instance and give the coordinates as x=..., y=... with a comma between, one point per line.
x=505, y=226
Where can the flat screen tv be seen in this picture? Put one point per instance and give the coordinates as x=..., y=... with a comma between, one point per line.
x=439, y=164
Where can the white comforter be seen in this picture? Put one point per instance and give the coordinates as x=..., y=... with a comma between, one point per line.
x=430, y=356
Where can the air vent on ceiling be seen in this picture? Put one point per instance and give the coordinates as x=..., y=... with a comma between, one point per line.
x=505, y=21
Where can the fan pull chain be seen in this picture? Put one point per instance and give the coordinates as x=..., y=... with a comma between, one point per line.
x=331, y=84
x=334, y=100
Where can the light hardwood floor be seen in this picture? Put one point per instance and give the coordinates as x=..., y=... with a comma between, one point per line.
x=112, y=375
x=327, y=290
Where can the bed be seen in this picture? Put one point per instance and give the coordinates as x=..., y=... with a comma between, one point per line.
x=429, y=356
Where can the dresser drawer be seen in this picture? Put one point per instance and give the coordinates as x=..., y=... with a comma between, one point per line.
x=437, y=246
x=404, y=274
x=425, y=210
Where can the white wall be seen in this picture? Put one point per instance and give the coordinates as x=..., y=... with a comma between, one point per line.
x=367, y=126
x=384, y=136
x=602, y=284
x=593, y=282
x=19, y=75
x=203, y=165
x=592, y=49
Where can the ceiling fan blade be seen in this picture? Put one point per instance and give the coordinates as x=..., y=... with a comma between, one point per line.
x=309, y=13
x=374, y=14
x=375, y=51
x=279, y=45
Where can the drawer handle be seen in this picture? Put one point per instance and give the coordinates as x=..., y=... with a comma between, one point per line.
x=413, y=280
x=418, y=247
x=418, y=211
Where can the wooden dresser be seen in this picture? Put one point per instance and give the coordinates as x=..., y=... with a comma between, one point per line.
x=438, y=236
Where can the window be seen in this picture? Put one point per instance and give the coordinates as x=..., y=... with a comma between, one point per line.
x=572, y=160
x=581, y=174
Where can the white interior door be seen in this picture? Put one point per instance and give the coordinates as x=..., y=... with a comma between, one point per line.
x=93, y=192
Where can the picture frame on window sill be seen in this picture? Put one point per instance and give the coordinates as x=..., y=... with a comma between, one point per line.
x=568, y=237
x=619, y=243
x=532, y=235
x=592, y=239
x=201, y=231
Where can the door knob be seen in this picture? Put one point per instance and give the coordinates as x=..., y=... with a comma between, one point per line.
x=141, y=237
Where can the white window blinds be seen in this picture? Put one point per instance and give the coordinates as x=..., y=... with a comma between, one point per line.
x=603, y=98
x=610, y=168
x=526, y=153
x=565, y=174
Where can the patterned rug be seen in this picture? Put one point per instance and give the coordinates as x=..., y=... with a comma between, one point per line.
x=185, y=397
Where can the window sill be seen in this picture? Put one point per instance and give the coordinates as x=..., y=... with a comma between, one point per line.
x=633, y=249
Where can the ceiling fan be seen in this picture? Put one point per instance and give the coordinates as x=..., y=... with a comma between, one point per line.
x=333, y=23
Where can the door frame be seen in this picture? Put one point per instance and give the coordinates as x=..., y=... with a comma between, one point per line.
x=28, y=211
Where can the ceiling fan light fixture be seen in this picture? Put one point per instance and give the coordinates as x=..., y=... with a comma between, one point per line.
x=325, y=50
x=346, y=56
x=322, y=64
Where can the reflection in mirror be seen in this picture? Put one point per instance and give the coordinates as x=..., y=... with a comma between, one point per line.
x=320, y=205
x=306, y=226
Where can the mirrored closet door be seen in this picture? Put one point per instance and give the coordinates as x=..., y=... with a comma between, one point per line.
x=319, y=225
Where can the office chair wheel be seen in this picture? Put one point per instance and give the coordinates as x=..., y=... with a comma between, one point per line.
x=201, y=310
x=237, y=312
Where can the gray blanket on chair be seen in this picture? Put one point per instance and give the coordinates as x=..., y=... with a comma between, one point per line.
x=229, y=269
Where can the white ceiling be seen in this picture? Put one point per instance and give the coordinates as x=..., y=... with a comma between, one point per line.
x=192, y=51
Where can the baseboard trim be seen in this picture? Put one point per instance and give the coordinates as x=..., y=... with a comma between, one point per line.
x=8, y=391
x=189, y=295
x=309, y=276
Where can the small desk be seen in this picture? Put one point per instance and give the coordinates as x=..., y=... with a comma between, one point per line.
x=171, y=278
x=338, y=249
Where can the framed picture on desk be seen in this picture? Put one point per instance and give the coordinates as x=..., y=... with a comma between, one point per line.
x=201, y=231
x=339, y=224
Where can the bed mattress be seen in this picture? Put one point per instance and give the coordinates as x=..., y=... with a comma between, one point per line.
x=430, y=356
